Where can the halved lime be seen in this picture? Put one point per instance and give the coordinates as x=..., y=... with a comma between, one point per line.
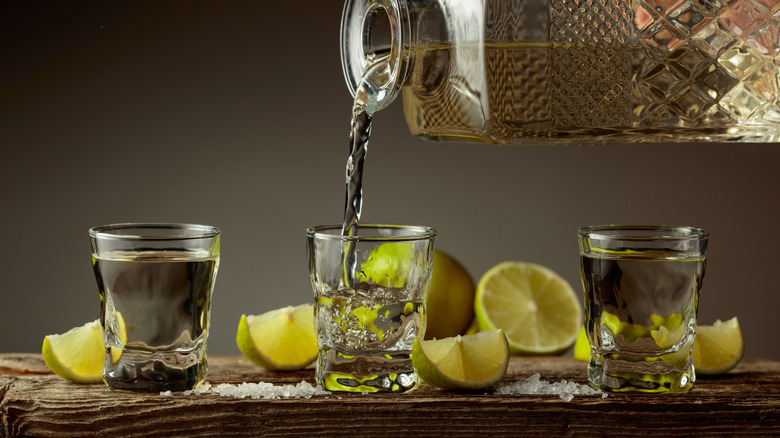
x=450, y=303
x=281, y=340
x=536, y=308
x=462, y=362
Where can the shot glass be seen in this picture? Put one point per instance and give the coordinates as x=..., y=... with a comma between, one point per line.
x=642, y=285
x=155, y=282
x=369, y=292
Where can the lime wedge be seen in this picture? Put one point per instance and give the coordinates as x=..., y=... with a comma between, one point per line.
x=462, y=362
x=536, y=308
x=279, y=340
x=718, y=348
x=77, y=354
x=387, y=264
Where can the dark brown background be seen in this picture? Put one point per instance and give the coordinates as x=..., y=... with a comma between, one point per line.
x=236, y=114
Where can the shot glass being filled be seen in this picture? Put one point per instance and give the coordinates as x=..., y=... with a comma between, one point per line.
x=369, y=291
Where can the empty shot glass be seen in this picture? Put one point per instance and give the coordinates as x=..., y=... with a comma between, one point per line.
x=642, y=285
x=155, y=282
x=369, y=291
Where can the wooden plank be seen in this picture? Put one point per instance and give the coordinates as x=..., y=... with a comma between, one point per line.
x=33, y=402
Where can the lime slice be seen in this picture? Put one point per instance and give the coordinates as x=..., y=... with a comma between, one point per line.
x=279, y=340
x=462, y=362
x=718, y=348
x=77, y=354
x=582, y=346
x=536, y=308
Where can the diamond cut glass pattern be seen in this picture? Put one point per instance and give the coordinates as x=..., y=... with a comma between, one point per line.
x=765, y=38
x=570, y=71
x=591, y=87
x=712, y=39
x=686, y=70
x=742, y=18
x=591, y=21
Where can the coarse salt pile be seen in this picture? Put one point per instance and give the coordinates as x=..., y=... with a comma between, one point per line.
x=534, y=385
x=257, y=390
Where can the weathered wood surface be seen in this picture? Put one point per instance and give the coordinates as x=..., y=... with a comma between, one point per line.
x=34, y=402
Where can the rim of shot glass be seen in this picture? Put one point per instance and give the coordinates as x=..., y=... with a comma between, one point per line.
x=646, y=233
x=122, y=231
x=333, y=232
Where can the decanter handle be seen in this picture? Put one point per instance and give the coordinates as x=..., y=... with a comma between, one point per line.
x=375, y=41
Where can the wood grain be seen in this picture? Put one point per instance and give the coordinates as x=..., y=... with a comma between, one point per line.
x=34, y=402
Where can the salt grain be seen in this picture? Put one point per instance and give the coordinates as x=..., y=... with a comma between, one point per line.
x=256, y=390
x=202, y=389
x=534, y=385
x=531, y=386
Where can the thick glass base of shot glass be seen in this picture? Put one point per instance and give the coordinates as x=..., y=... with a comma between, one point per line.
x=142, y=371
x=372, y=372
x=623, y=373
